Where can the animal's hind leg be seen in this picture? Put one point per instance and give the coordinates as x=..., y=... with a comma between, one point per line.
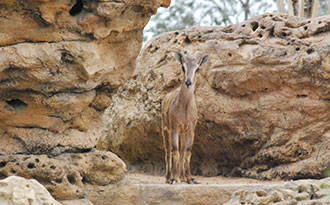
x=168, y=155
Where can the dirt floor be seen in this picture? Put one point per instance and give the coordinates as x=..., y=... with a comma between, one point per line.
x=138, y=178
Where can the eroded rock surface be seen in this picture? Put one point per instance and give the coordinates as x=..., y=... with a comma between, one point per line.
x=60, y=61
x=263, y=99
x=305, y=192
x=19, y=191
x=66, y=175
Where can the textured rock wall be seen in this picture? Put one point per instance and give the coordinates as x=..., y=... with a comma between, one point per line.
x=60, y=62
x=263, y=100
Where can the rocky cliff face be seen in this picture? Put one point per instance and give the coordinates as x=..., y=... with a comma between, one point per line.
x=60, y=62
x=263, y=99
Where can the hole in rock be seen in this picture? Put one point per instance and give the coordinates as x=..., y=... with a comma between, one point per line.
x=305, y=28
x=187, y=40
x=84, y=180
x=310, y=50
x=297, y=49
x=17, y=104
x=263, y=27
x=230, y=55
x=3, y=164
x=77, y=8
x=254, y=25
x=243, y=25
x=302, y=96
x=71, y=179
x=52, y=167
x=37, y=160
x=31, y=165
x=260, y=35
x=176, y=33
x=320, y=22
x=13, y=171
x=58, y=180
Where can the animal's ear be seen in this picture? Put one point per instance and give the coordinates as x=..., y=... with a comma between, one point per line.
x=179, y=57
x=203, y=60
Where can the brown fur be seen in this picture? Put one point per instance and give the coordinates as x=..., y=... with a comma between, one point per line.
x=179, y=118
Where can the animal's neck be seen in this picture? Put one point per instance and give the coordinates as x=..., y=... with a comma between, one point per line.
x=186, y=95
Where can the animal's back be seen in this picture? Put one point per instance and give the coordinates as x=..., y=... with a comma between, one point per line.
x=166, y=104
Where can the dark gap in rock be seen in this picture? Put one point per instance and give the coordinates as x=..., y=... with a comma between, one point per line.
x=230, y=55
x=58, y=180
x=84, y=180
x=77, y=8
x=3, y=164
x=13, y=171
x=310, y=50
x=17, y=104
x=243, y=25
x=31, y=165
x=260, y=35
x=254, y=25
x=263, y=27
x=297, y=49
x=104, y=157
x=37, y=160
x=71, y=179
x=305, y=28
x=302, y=96
x=187, y=40
x=320, y=22
x=52, y=167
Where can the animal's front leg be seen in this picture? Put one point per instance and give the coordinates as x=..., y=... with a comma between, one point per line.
x=181, y=163
x=176, y=156
x=189, y=141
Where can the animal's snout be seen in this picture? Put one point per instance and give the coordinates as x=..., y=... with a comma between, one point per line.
x=188, y=83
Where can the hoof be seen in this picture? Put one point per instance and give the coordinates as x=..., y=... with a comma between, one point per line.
x=192, y=181
x=172, y=181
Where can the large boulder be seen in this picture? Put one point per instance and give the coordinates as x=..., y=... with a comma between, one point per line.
x=60, y=61
x=19, y=191
x=66, y=176
x=263, y=100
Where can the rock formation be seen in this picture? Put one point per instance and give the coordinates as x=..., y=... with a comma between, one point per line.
x=296, y=192
x=263, y=100
x=60, y=62
x=19, y=191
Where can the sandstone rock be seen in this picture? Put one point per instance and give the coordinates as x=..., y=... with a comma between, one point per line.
x=296, y=192
x=263, y=100
x=19, y=191
x=66, y=175
x=60, y=62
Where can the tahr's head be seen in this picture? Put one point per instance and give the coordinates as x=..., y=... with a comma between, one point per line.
x=190, y=66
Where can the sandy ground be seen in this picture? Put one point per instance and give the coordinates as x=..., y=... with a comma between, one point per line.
x=138, y=178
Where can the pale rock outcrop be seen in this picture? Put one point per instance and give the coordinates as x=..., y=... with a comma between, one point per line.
x=66, y=176
x=305, y=192
x=19, y=191
x=60, y=62
x=263, y=99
